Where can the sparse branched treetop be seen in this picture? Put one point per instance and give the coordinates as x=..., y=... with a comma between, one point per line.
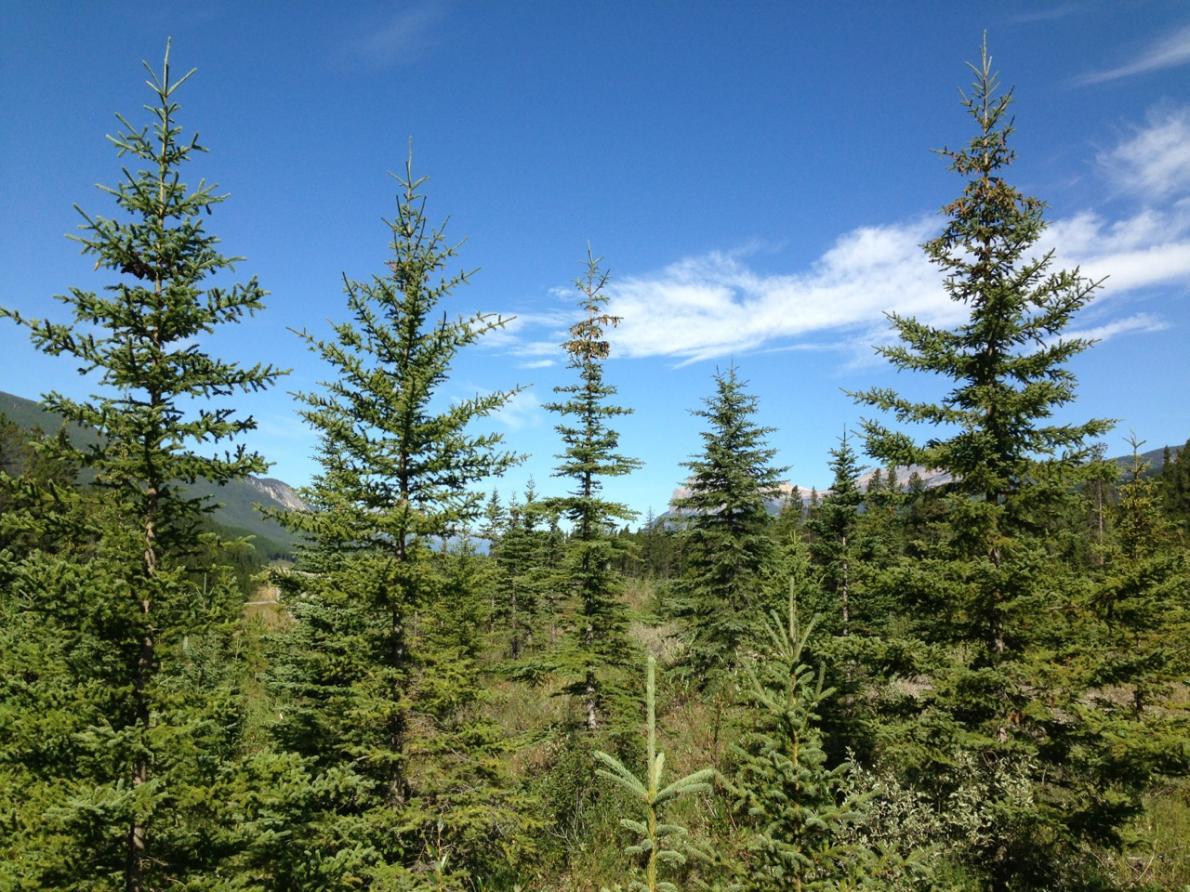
x=1007, y=360
x=597, y=649
x=590, y=441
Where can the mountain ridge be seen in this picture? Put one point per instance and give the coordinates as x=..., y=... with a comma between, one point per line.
x=235, y=502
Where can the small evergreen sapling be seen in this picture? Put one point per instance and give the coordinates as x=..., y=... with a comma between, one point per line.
x=787, y=798
x=658, y=842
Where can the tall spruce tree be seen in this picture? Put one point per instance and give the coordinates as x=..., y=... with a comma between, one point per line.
x=138, y=638
x=128, y=786
x=986, y=590
x=597, y=652
x=729, y=549
x=392, y=488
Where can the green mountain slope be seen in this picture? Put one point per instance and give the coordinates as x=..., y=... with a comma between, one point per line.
x=235, y=512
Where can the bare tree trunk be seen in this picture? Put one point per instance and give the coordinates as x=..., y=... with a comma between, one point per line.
x=592, y=709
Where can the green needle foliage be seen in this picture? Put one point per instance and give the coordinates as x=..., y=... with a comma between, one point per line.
x=995, y=700
x=132, y=625
x=656, y=839
x=362, y=670
x=834, y=527
x=729, y=549
x=988, y=590
x=1142, y=603
x=1175, y=487
x=787, y=798
x=597, y=652
x=523, y=576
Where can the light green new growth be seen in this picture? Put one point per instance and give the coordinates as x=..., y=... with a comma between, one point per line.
x=655, y=837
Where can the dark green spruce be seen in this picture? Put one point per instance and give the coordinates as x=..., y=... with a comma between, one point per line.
x=125, y=617
x=988, y=590
x=729, y=549
x=378, y=673
x=834, y=527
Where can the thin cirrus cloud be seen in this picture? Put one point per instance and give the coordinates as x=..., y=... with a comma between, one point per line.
x=717, y=304
x=1169, y=51
x=1136, y=323
x=399, y=39
x=1155, y=160
x=522, y=410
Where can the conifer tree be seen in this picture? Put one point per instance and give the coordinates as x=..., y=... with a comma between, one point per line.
x=1175, y=486
x=523, y=576
x=984, y=586
x=787, y=798
x=729, y=550
x=1143, y=596
x=835, y=527
x=597, y=654
x=128, y=785
x=474, y=823
x=881, y=532
x=659, y=843
x=393, y=487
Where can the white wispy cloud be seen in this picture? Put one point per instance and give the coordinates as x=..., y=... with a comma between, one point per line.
x=399, y=39
x=516, y=324
x=1046, y=14
x=1148, y=248
x=541, y=351
x=1155, y=160
x=1168, y=51
x=523, y=410
x=1140, y=322
x=718, y=304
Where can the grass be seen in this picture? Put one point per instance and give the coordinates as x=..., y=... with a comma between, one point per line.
x=1160, y=857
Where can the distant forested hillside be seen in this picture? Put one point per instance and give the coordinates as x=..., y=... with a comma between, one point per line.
x=236, y=513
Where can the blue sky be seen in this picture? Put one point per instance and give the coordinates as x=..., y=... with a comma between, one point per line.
x=758, y=178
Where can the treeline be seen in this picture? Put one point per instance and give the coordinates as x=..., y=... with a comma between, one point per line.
x=975, y=685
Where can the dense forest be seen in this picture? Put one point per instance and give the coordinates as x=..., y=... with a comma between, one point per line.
x=964, y=669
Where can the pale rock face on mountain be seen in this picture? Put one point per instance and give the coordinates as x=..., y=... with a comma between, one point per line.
x=276, y=491
x=930, y=477
x=785, y=492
